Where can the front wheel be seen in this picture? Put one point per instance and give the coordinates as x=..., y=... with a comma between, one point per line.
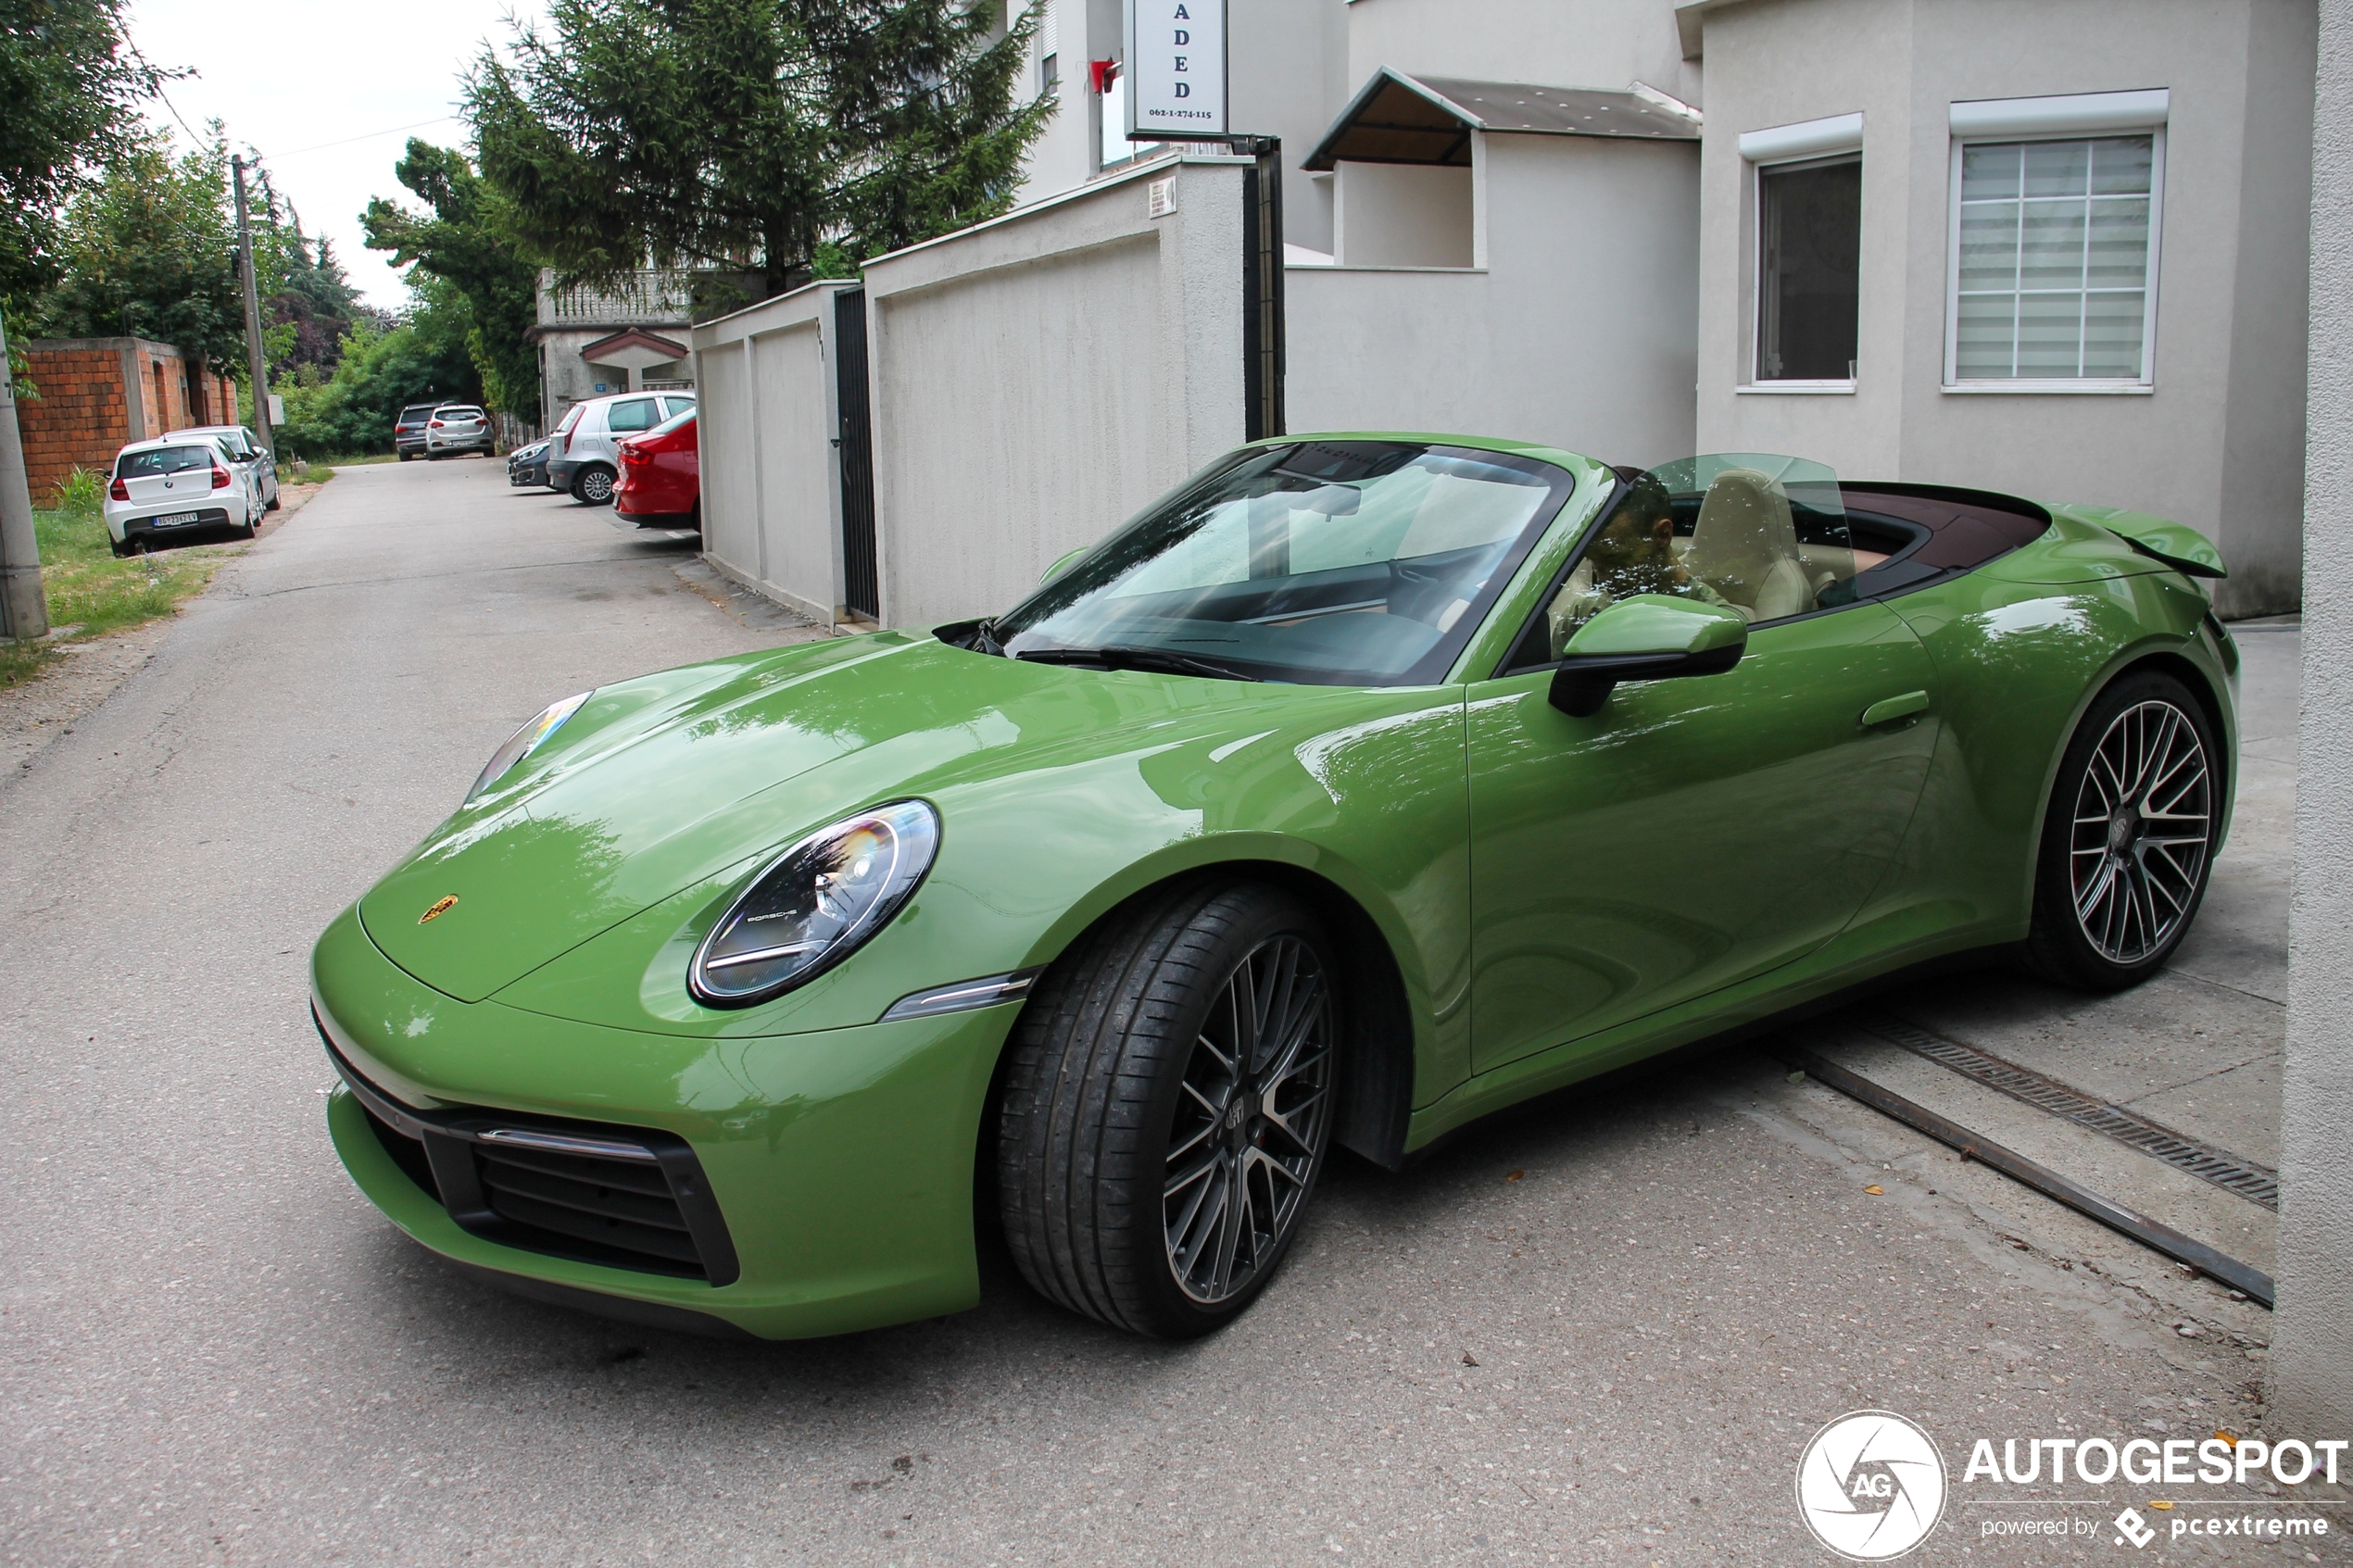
x=1167, y=1108
x=2128, y=838
x=593, y=488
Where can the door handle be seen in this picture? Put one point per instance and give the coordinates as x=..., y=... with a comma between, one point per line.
x=1888, y=709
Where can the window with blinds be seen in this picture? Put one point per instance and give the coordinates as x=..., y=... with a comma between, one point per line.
x=2055, y=261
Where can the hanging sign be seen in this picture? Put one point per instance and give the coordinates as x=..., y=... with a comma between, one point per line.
x=1176, y=70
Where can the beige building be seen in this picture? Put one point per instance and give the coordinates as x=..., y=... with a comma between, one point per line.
x=2055, y=247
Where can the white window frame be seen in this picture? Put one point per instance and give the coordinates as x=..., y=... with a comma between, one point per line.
x=1835, y=139
x=2075, y=118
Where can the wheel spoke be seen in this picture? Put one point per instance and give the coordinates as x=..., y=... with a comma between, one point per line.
x=1193, y=1172
x=2089, y=898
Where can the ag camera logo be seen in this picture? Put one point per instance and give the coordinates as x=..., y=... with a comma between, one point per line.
x=1871, y=1486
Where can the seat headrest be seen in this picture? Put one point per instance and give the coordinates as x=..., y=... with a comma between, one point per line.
x=1744, y=531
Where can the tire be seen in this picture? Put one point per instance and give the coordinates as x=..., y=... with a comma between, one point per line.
x=121, y=551
x=2118, y=882
x=272, y=506
x=1115, y=1076
x=593, y=488
x=406, y=455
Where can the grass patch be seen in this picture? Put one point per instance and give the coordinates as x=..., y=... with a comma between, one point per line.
x=93, y=592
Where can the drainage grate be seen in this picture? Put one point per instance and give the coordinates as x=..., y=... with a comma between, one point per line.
x=2225, y=1170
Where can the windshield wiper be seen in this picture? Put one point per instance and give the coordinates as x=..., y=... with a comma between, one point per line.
x=1125, y=657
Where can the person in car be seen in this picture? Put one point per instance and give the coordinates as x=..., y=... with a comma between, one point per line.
x=1634, y=552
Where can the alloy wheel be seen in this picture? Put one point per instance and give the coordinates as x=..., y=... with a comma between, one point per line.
x=595, y=487
x=2143, y=815
x=1253, y=1112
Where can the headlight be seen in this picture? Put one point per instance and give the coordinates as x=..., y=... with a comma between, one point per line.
x=814, y=904
x=526, y=741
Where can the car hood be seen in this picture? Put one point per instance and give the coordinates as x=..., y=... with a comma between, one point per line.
x=671, y=780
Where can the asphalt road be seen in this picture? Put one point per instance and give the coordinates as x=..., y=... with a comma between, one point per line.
x=1599, y=1332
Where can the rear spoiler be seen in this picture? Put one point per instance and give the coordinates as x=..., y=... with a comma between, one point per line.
x=2176, y=544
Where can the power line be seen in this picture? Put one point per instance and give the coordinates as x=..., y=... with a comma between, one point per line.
x=369, y=135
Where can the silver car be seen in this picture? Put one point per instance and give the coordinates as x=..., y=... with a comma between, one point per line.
x=460, y=427
x=246, y=451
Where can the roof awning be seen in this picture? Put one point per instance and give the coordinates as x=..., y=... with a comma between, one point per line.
x=1400, y=118
x=603, y=351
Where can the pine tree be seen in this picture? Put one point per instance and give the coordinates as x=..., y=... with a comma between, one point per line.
x=784, y=135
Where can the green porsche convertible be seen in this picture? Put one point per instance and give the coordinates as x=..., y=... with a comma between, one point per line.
x=1360, y=787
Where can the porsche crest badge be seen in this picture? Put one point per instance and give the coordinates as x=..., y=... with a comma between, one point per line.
x=441, y=907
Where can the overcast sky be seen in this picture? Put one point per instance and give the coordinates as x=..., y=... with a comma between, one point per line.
x=327, y=91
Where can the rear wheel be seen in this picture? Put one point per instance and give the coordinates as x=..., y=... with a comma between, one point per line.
x=593, y=488
x=2128, y=840
x=1167, y=1108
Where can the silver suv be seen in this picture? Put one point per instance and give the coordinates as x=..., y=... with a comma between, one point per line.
x=585, y=453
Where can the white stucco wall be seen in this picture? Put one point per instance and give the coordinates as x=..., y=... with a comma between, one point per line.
x=2214, y=444
x=771, y=477
x=1401, y=214
x=1578, y=332
x=1287, y=76
x=2311, y=1364
x=1038, y=378
x=1602, y=43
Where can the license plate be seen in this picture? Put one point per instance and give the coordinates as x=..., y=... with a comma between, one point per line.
x=172, y=519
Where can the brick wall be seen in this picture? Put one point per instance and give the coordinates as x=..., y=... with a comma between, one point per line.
x=85, y=412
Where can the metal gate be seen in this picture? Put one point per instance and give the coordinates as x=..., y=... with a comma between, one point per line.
x=860, y=583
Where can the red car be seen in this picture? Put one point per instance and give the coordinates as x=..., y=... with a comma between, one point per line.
x=660, y=483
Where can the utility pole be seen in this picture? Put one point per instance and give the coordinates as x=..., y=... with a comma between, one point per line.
x=254, y=367
x=24, y=609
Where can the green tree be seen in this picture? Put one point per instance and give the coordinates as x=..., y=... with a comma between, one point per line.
x=778, y=135
x=146, y=252
x=305, y=320
x=469, y=244
x=422, y=359
x=69, y=82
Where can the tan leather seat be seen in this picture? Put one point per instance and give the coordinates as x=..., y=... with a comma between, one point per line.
x=1744, y=547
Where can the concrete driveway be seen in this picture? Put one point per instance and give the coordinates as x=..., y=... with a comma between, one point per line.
x=1599, y=1332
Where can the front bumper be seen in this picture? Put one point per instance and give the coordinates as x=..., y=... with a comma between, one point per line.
x=839, y=1162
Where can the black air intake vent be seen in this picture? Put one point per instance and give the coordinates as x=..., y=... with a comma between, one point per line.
x=627, y=1198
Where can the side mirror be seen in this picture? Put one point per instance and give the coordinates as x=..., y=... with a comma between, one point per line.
x=1061, y=561
x=1648, y=637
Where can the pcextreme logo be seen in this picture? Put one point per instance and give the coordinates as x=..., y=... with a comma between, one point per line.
x=1871, y=1486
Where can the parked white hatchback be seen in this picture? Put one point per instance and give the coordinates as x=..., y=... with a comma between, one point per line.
x=177, y=490
x=585, y=453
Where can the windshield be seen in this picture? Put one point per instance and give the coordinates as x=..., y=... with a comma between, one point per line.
x=1339, y=562
x=675, y=421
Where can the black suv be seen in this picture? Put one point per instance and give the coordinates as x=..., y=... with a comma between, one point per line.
x=408, y=430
